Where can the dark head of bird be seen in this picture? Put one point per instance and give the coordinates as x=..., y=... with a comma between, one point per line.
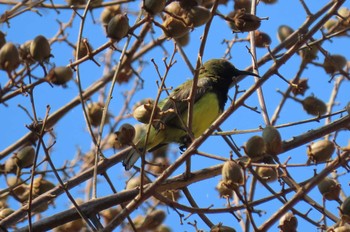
x=223, y=71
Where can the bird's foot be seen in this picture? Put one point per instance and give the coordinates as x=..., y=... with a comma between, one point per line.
x=185, y=142
x=182, y=148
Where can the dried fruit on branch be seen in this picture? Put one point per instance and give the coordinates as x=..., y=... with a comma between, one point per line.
x=243, y=21
x=126, y=134
x=95, y=111
x=268, y=174
x=232, y=174
x=255, y=147
x=321, y=151
x=329, y=189
x=288, y=223
x=40, y=49
x=118, y=27
x=314, y=106
x=273, y=140
x=334, y=63
x=154, y=6
x=60, y=75
x=283, y=33
x=9, y=57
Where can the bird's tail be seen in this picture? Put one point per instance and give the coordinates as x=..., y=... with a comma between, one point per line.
x=131, y=158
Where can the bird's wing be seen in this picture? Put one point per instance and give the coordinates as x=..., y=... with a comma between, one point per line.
x=177, y=100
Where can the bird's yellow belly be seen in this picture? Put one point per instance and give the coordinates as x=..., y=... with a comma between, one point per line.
x=206, y=110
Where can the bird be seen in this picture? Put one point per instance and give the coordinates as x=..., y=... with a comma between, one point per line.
x=214, y=80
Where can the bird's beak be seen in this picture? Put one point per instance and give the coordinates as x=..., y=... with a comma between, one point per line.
x=242, y=72
x=240, y=76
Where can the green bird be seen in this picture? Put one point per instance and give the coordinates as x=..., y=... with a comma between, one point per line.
x=214, y=80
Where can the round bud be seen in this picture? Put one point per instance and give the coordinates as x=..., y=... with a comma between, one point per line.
x=301, y=88
x=345, y=210
x=255, y=147
x=330, y=24
x=41, y=186
x=221, y=228
x=163, y=228
x=143, y=113
x=9, y=57
x=109, y=214
x=21, y=191
x=232, y=174
x=95, y=3
x=154, y=6
x=2, y=39
x=138, y=220
x=345, y=228
x=153, y=220
x=24, y=52
x=135, y=182
x=5, y=212
x=283, y=33
x=174, y=28
x=334, y=63
x=83, y=50
x=309, y=53
x=329, y=189
x=223, y=190
x=25, y=157
x=3, y=200
x=246, y=4
x=75, y=2
x=142, y=102
x=183, y=40
x=268, y=174
x=75, y=225
x=243, y=21
x=40, y=49
x=108, y=13
x=261, y=39
x=118, y=27
x=320, y=151
x=199, y=15
x=175, y=8
x=125, y=74
x=111, y=142
x=272, y=140
x=344, y=16
x=269, y=1
x=333, y=26
x=11, y=165
x=288, y=223
x=314, y=106
x=60, y=75
x=209, y=3
x=88, y=159
x=126, y=134
x=95, y=111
